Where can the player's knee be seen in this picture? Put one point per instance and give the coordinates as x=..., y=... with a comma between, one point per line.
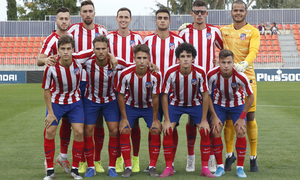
x=113, y=132
x=88, y=131
x=78, y=133
x=125, y=131
x=154, y=131
x=50, y=133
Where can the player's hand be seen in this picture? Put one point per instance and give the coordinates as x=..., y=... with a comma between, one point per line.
x=241, y=67
x=113, y=61
x=183, y=26
x=49, y=120
x=204, y=125
x=156, y=125
x=216, y=125
x=123, y=124
x=153, y=67
x=240, y=126
x=51, y=60
x=167, y=126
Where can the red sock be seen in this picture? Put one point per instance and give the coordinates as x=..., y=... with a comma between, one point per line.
x=136, y=139
x=168, y=148
x=119, y=148
x=113, y=145
x=240, y=146
x=204, y=147
x=77, y=151
x=154, y=149
x=149, y=141
x=99, y=139
x=49, y=147
x=191, y=134
x=89, y=150
x=82, y=158
x=218, y=149
x=64, y=133
x=125, y=148
x=211, y=147
x=175, y=143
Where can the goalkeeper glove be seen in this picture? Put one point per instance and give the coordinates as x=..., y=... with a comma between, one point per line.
x=183, y=26
x=241, y=67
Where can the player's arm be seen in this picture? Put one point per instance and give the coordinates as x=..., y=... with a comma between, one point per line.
x=124, y=122
x=165, y=105
x=216, y=124
x=155, y=102
x=43, y=59
x=112, y=60
x=50, y=117
x=204, y=124
x=240, y=123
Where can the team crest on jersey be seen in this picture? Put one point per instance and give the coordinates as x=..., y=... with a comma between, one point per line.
x=77, y=71
x=172, y=46
x=208, y=36
x=243, y=36
x=194, y=81
x=132, y=43
x=234, y=85
x=110, y=73
x=148, y=84
x=97, y=34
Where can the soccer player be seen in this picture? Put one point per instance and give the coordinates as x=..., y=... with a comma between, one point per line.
x=121, y=43
x=100, y=98
x=204, y=37
x=141, y=101
x=230, y=87
x=162, y=46
x=48, y=56
x=62, y=97
x=83, y=34
x=185, y=80
x=243, y=40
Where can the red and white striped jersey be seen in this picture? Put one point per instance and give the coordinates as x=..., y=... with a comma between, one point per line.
x=229, y=92
x=140, y=90
x=101, y=83
x=204, y=41
x=122, y=46
x=186, y=89
x=63, y=82
x=49, y=46
x=162, y=51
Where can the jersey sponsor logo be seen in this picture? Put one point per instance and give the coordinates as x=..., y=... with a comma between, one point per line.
x=148, y=84
x=278, y=75
x=172, y=46
x=97, y=34
x=77, y=71
x=132, y=43
x=208, y=36
x=194, y=81
x=243, y=36
x=110, y=73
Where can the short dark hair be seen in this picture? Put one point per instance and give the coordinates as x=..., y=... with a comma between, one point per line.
x=239, y=2
x=62, y=9
x=84, y=3
x=141, y=47
x=124, y=9
x=189, y=48
x=101, y=38
x=225, y=53
x=199, y=3
x=65, y=39
x=162, y=10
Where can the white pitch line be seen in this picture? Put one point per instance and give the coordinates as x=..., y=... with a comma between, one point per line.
x=279, y=106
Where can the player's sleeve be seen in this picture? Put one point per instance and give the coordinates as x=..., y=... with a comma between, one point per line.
x=121, y=87
x=219, y=41
x=254, y=46
x=47, y=79
x=209, y=81
x=182, y=35
x=203, y=82
x=122, y=64
x=156, y=83
x=82, y=56
x=246, y=84
x=166, y=86
x=47, y=47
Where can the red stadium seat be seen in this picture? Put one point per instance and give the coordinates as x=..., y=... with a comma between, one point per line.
x=11, y=44
x=264, y=48
x=270, y=43
x=43, y=38
x=1, y=39
x=13, y=61
x=297, y=37
x=25, y=39
x=18, y=44
x=262, y=37
x=270, y=48
x=296, y=32
x=6, y=39
x=298, y=42
x=295, y=26
x=259, y=59
x=32, y=39
x=34, y=54
x=29, y=50
x=22, y=50
x=9, y=50
x=16, y=50
x=280, y=26
x=263, y=43
x=30, y=44
x=278, y=53
x=266, y=59
x=19, y=39
x=38, y=39
x=272, y=58
x=276, y=43
x=274, y=37
x=24, y=44
x=2, y=55
x=265, y=53
x=37, y=44
x=35, y=50
x=21, y=54
x=32, y=61
x=277, y=48
x=13, y=39
x=268, y=37
x=287, y=27
x=5, y=45
x=271, y=52
x=14, y=54
x=3, y=50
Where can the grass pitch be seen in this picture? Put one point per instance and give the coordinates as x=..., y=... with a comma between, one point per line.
x=22, y=122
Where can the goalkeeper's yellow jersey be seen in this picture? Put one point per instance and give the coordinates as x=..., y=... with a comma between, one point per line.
x=244, y=43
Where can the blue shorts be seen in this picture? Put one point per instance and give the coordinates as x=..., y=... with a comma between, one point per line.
x=109, y=110
x=195, y=112
x=134, y=114
x=72, y=111
x=233, y=112
x=82, y=87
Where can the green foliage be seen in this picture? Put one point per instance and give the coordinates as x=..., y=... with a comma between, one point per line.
x=263, y=4
x=37, y=9
x=12, y=10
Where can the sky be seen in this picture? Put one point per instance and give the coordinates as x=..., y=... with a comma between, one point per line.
x=107, y=7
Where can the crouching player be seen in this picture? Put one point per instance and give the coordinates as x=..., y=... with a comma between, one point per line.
x=141, y=101
x=185, y=80
x=230, y=87
x=62, y=97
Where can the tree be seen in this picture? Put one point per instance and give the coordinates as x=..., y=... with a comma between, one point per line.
x=37, y=9
x=264, y=4
x=12, y=10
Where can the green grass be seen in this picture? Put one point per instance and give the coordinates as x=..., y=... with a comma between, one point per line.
x=21, y=130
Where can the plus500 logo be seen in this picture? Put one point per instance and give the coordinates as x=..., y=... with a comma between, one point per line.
x=279, y=77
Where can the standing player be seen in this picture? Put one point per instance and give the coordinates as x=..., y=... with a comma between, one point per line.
x=230, y=87
x=121, y=43
x=141, y=101
x=162, y=46
x=185, y=80
x=83, y=34
x=243, y=40
x=62, y=97
x=204, y=37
